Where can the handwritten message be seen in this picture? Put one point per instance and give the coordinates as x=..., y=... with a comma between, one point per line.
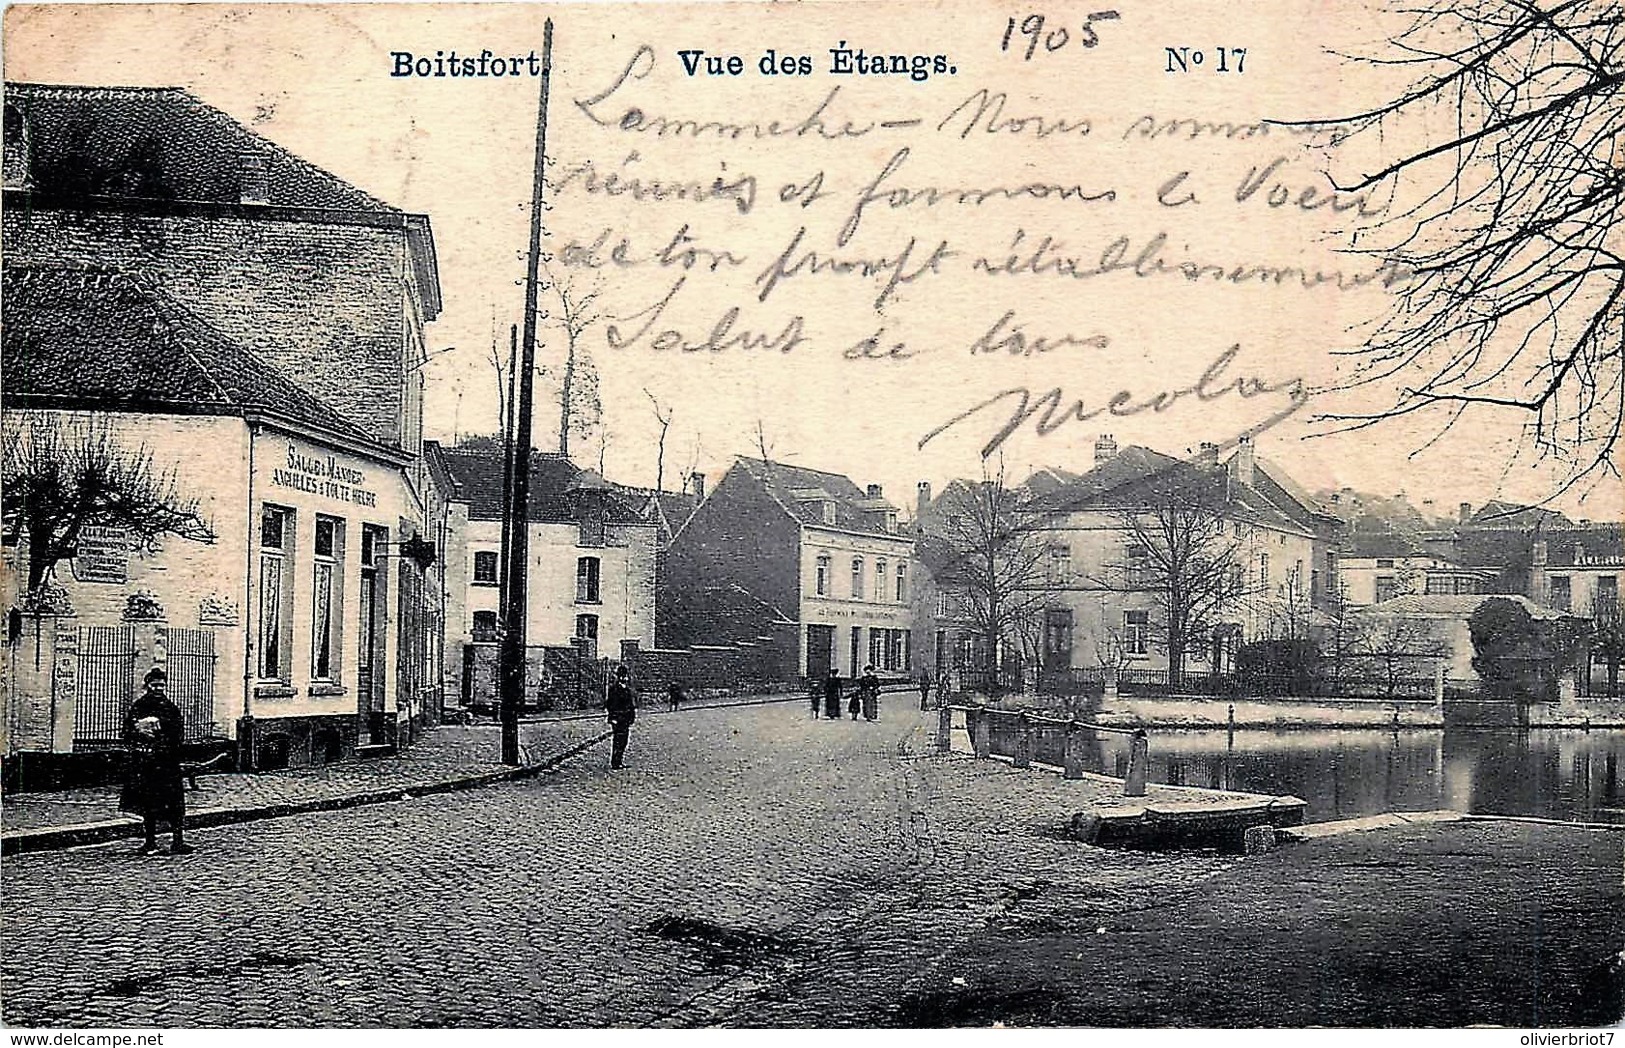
x=1031, y=252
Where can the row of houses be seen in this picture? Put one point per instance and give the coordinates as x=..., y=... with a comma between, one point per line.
x=214, y=356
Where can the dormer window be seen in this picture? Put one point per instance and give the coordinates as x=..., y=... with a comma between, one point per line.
x=891, y=522
x=828, y=510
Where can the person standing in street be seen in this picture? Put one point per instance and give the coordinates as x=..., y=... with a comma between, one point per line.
x=622, y=708
x=674, y=695
x=925, y=687
x=832, y=694
x=154, y=729
x=869, y=690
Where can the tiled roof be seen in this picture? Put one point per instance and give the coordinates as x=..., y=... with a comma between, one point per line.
x=1137, y=475
x=1455, y=606
x=782, y=482
x=1361, y=545
x=83, y=337
x=156, y=143
x=557, y=493
x=1605, y=542
x=1497, y=514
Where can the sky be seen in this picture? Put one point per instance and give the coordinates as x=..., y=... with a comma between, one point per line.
x=965, y=195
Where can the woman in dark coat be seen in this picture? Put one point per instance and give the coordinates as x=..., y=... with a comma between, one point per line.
x=869, y=688
x=832, y=694
x=153, y=729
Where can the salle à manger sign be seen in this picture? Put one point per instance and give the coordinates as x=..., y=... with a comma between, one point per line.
x=323, y=475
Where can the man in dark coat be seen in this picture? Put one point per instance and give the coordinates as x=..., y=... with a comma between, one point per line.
x=622, y=708
x=153, y=729
x=925, y=687
x=832, y=694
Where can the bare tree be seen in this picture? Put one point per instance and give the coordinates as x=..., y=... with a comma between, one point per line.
x=1608, y=639
x=998, y=562
x=663, y=416
x=1184, y=555
x=1509, y=228
x=60, y=479
x=1394, y=649
x=581, y=408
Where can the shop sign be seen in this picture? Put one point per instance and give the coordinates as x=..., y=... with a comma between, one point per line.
x=103, y=555
x=325, y=476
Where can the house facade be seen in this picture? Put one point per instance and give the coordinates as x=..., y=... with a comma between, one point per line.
x=590, y=567
x=801, y=539
x=184, y=289
x=1105, y=591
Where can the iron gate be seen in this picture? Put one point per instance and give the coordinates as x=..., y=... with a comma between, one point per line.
x=191, y=680
x=105, y=685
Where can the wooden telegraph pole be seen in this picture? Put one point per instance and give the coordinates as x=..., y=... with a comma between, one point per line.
x=513, y=637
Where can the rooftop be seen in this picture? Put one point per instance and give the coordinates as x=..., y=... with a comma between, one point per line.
x=76, y=337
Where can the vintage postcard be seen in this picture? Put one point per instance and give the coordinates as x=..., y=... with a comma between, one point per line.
x=889, y=513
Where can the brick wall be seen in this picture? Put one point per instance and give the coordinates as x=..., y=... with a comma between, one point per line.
x=325, y=303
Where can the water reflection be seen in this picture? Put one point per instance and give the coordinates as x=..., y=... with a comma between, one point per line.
x=1573, y=775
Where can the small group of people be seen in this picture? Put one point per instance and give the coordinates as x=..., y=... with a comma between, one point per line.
x=864, y=696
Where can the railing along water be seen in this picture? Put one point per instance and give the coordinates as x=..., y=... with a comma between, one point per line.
x=1027, y=737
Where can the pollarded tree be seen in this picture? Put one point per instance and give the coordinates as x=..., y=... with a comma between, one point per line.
x=63, y=477
x=1511, y=224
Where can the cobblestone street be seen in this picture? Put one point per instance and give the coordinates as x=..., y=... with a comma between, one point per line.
x=754, y=867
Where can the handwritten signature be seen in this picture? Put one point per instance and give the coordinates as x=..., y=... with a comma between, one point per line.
x=1213, y=384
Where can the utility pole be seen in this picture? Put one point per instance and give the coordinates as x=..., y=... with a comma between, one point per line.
x=507, y=469
x=513, y=637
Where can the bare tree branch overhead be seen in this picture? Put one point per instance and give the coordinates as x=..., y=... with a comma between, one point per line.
x=1510, y=224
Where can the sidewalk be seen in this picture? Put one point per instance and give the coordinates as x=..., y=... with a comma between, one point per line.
x=447, y=758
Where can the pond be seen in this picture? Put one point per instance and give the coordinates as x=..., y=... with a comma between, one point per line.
x=1572, y=775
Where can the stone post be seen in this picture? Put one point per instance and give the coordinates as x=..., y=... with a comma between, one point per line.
x=1072, y=762
x=945, y=726
x=64, y=682
x=1023, y=756
x=981, y=733
x=1139, y=764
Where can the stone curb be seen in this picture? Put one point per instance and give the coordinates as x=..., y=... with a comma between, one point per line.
x=54, y=838
x=1317, y=830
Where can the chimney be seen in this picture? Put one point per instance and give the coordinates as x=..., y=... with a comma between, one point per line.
x=922, y=499
x=1464, y=512
x=255, y=171
x=696, y=486
x=872, y=491
x=1241, y=463
x=1207, y=456
x=1105, y=448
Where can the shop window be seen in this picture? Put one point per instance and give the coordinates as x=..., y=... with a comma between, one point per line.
x=485, y=568
x=327, y=603
x=276, y=593
x=586, y=581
